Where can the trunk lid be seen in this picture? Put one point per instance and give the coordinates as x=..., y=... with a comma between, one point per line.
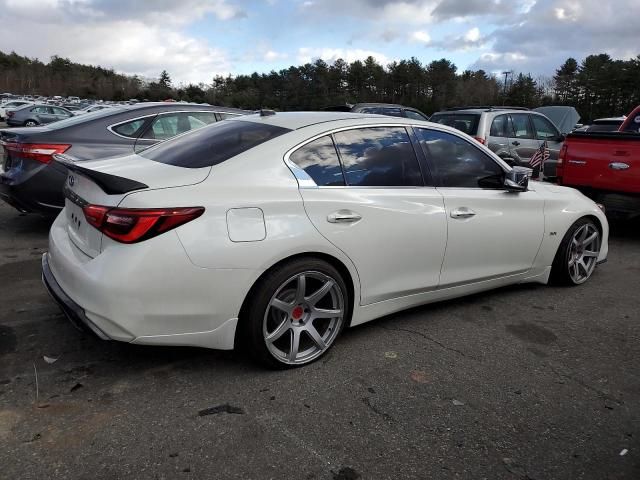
x=107, y=183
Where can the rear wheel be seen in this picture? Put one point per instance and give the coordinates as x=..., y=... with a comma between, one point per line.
x=295, y=313
x=30, y=123
x=577, y=255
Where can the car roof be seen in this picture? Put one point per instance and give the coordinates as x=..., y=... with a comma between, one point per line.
x=298, y=120
x=375, y=104
x=176, y=106
x=482, y=109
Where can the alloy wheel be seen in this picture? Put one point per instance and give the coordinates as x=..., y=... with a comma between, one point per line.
x=584, y=249
x=303, y=317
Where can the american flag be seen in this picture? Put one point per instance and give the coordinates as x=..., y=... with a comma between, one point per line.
x=541, y=155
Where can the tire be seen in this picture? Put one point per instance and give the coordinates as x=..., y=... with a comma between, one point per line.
x=30, y=123
x=577, y=255
x=304, y=302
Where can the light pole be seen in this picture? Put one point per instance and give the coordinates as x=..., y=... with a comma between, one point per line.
x=506, y=75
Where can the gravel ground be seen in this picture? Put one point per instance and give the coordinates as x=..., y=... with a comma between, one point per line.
x=527, y=382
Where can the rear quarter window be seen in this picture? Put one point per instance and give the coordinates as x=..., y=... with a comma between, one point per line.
x=213, y=144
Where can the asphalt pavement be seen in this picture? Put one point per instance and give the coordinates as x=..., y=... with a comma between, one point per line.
x=526, y=382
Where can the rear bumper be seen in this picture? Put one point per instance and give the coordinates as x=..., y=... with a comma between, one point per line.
x=146, y=293
x=34, y=190
x=71, y=309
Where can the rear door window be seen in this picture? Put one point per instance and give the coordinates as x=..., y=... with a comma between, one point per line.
x=226, y=115
x=521, y=126
x=379, y=156
x=200, y=119
x=465, y=122
x=501, y=127
x=213, y=144
x=166, y=126
x=319, y=160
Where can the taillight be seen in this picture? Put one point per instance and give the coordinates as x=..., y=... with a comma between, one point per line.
x=41, y=152
x=562, y=154
x=480, y=139
x=132, y=225
x=10, y=114
x=560, y=165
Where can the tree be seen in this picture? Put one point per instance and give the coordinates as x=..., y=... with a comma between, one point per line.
x=165, y=80
x=566, y=81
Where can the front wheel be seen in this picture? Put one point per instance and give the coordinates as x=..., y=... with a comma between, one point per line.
x=30, y=123
x=295, y=313
x=577, y=254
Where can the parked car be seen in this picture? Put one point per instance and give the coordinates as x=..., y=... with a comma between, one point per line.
x=224, y=236
x=605, y=166
x=34, y=115
x=12, y=105
x=610, y=124
x=32, y=183
x=91, y=108
x=513, y=133
x=389, y=109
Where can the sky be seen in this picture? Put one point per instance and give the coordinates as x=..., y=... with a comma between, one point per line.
x=194, y=40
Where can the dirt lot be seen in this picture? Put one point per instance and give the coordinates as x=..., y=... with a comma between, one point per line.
x=527, y=382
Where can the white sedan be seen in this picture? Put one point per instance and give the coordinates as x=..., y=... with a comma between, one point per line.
x=278, y=230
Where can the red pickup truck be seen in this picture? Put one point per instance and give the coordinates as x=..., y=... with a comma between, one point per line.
x=605, y=166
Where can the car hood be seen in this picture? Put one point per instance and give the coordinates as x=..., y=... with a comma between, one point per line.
x=565, y=118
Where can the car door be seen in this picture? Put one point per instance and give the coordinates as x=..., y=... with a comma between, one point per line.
x=365, y=193
x=522, y=141
x=498, y=138
x=547, y=131
x=492, y=232
x=45, y=115
x=61, y=113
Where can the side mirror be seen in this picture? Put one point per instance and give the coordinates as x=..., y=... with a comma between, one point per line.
x=509, y=161
x=561, y=138
x=517, y=180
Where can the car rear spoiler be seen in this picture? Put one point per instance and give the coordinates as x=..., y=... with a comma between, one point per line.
x=110, y=184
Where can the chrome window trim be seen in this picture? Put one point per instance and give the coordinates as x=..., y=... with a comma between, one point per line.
x=114, y=125
x=305, y=181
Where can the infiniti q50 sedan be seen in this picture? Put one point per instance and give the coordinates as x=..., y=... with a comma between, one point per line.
x=276, y=231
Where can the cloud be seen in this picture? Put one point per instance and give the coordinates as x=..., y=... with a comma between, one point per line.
x=553, y=30
x=273, y=56
x=132, y=37
x=421, y=36
x=449, y=9
x=308, y=55
x=470, y=40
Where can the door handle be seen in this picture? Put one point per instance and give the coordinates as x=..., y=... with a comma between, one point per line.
x=618, y=166
x=516, y=143
x=343, y=216
x=462, y=212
